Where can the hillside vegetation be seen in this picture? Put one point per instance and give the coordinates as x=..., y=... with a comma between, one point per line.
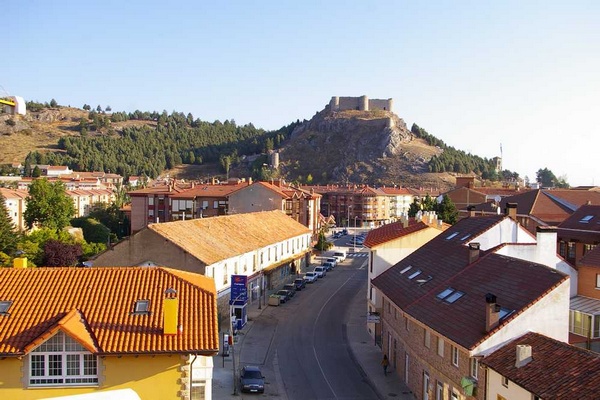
x=366, y=147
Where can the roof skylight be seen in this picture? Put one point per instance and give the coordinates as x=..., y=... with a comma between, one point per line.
x=414, y=274
x=142, y=307
x=4, y=306
x=423, y=281
x=406, y=269
x=454, y=296
x=450, y=295
x=505, y=312
x=465, y=237
x=445, y=293
x=452, y=235
x=586, y=219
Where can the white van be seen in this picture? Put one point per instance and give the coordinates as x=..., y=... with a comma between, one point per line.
x=340, y=255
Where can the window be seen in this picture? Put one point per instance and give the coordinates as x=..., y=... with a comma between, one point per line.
x=406, y=269
x=142, y=307
x=62, y=361
x=427, y=338
x=198, y=390
x=150, y=201
x=450, y=295
x=504, y=381
x=4, y=306
x=454, y=395
x=571, y=250
x=452, y=235
x=586, y=219
x=407, y=323
x=439, y=393
x=474, y=367
x=562, y=249
x=440, y=347
x=414, y=274
x=597, y=281
x=588, y=247
x=454, y=356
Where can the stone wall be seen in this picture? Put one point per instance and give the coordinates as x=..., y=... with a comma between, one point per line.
x=362, y=103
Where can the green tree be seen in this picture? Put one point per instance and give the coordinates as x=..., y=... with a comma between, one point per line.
x=53, y=103
x=309, y=179
x=225, y=163
x=446, y=210
x=8, y=236
x=99, y=108
x=87, y=107
x=48, y=205
x=546, y=178
x=322, y=243
x=36, y=172
x=93, y=231
x=108, y=108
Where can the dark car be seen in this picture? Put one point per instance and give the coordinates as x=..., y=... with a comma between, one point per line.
x=290, y=287
x=252, y=380
x=284, y=295
x=300, y=283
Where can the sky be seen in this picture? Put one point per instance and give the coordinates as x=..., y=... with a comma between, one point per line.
x=521, y=76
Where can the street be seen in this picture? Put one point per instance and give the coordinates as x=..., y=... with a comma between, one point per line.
x=309, y=357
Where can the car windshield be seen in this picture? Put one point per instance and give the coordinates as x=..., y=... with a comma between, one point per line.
x=252, y=375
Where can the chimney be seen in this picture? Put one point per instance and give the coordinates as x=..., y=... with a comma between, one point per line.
x=193, y=184
x=473, y=252
x=492, y=312
x=20, y=262
x=170, y=310
x=249, y=181
x=511, y=210
x=523, y=355
x=440, y=223
x=471, y=211
x=405, y=222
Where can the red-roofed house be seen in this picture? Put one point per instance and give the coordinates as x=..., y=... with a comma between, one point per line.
x=536, y=367
x=69, y=331
x=389, y=244
x=302, y=206
x=580, y=233
x=463, y=294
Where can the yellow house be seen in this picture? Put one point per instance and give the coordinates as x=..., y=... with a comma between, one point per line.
x=69, y=331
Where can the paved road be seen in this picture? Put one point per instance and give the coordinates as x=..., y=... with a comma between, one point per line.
x=311, y=345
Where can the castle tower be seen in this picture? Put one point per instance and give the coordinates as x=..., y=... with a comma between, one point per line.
x=275, y=160
x=334, y=104
x=390, y=105
x=363, y=103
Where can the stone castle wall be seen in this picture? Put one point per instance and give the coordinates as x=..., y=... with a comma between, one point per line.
x=362, y=103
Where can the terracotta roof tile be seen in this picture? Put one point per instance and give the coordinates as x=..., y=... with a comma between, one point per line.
x=556, y=370
x=95, y=306
x=392, y=231
x=215, y=239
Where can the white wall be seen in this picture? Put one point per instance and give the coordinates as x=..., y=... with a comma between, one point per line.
x=512, y=392
x=507, y=231
x=549, y=316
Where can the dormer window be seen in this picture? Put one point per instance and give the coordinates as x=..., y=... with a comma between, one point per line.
x=4, y=306
x=142, y=307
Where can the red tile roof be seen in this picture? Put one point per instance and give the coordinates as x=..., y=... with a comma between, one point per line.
x=392, y=231
x=95, y=306
x=556, y=371
x=550, y=206
x=444, y=262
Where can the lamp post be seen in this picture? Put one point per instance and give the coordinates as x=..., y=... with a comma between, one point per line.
x=348, y=218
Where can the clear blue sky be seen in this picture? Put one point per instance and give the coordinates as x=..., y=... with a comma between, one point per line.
x=476, y=74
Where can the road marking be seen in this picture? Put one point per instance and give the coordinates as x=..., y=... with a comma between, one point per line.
x=314, y=329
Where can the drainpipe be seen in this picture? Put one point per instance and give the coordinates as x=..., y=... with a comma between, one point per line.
x=191, y=372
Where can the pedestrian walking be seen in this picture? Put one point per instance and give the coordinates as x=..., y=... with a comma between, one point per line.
x=385, y=362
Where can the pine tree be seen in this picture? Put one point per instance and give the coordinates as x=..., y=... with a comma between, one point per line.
x=8, y=236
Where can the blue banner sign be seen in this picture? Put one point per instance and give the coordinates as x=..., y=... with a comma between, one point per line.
x=239, y=290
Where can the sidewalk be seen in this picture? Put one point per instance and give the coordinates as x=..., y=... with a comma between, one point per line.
x=254, y=343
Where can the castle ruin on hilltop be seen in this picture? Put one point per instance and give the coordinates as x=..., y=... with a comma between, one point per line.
x=362, y=103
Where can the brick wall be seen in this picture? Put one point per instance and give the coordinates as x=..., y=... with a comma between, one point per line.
x=422, y=359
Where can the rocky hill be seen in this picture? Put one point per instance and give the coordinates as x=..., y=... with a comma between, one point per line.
x=363, y=147
x=368, y=147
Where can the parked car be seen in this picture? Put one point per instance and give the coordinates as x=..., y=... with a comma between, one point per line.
x=344, y=232
x=310, y=277
x=290, y=287
x=300, y=283
x=332, y=260
x=284, y=295
x=340, y=255
x=321, y=271
x=328, y=266
x=252, y=379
